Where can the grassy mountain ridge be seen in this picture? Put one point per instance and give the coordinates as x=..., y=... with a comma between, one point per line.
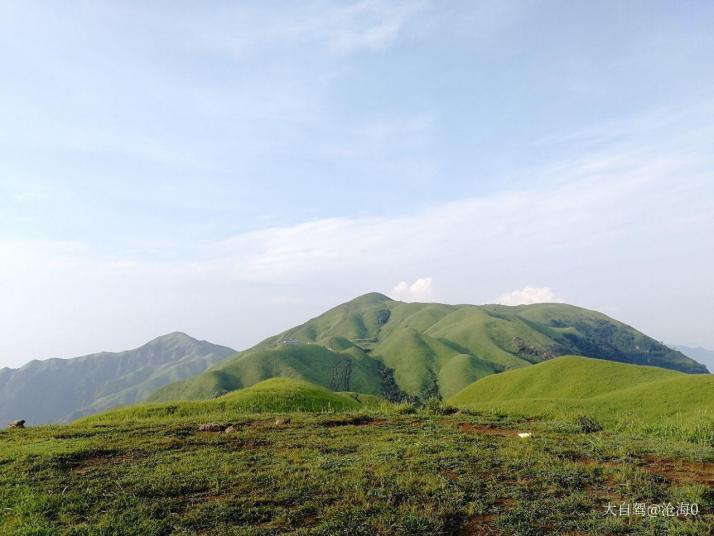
x=64, y=389
x=609, y=391
x=564, y=377
x=377, y=345
x=310, y=362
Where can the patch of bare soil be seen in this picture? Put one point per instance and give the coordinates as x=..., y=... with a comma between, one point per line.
x=592, y=462
x=478, y=525
x=451, y=475
x=86, y=464
x=359, y=420
x=486, y=430
x=250, y=443
x=681, y=471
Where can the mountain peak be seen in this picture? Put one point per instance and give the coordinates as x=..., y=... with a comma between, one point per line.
x=176, y=335
x=173, y=337
x=372, y=297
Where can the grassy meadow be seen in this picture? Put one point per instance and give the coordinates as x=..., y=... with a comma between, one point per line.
x=637, y=399
x=377, y=469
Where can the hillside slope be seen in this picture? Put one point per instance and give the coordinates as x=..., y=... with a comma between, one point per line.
x=273, y=395
x=310, y=362
x=703, y=355
x=63, y=389
x=606, y=390
x=374, y=344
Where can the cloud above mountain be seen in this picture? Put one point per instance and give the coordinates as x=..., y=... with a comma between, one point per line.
x=421, y=290
x=579, y=228
x=529, y=295
x=243, y=166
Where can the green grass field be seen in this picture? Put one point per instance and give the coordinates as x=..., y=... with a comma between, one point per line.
x=397, y=472
x=622, y=397
x=300, y=459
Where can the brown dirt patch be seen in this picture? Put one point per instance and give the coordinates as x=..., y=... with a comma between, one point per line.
x=592, y=462
x=250, y=443
x=681, y=471
x=486, y=430
x=451, y=475
x=359, y=420
x=87, y=464
x=478, y=525
x=506, y=502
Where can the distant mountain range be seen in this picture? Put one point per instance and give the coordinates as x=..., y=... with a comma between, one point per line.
x=371, y=345
x=63, y=389
x=702, y=355
x=376, y=345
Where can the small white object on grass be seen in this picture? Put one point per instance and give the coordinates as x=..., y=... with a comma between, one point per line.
x=524, y=435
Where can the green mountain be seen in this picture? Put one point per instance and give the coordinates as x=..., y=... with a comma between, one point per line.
x=703, y=355
x=64, y=389
x=380, y=346
x=606, y=390
x=269, y=396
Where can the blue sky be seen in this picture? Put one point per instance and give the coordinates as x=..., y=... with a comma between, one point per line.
x=228, y=169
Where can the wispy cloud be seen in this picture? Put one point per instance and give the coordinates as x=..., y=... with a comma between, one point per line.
x=275, y=97
x=635, y=129
x=371, y=25
x=605, y=230
x=341, y=27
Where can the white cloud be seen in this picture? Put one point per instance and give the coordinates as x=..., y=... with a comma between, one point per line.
x=586, y=234
x=421, y=290
x=529, y=295
x=609, y=228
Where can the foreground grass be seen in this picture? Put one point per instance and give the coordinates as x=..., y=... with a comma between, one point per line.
x=351, y=473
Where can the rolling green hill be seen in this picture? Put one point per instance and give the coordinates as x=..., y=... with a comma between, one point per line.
x=311, y=362
x=377, y=345
x=273, y=395
x=611, y=392
x=65, y=389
